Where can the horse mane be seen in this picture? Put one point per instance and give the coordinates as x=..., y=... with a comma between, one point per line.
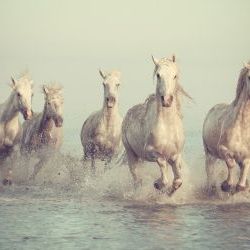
x=240, y=85
x=114, y=73
x=150, y=98
x=53, y=90
x=24, y=78
x=24, y=75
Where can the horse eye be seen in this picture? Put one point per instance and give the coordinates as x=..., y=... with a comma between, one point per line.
x=158, y=75
x=175, y=76
x=118, y=84
x=18, y=94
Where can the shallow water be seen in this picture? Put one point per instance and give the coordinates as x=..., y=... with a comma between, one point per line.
x=76, y=211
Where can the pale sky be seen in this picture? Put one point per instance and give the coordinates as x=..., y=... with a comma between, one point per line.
x=69, y=40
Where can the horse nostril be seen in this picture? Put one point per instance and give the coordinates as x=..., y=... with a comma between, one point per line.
x=110, y=99
x=171, y=98
x=167, y=100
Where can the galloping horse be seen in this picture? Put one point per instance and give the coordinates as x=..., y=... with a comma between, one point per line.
x=43, y=133
x=10, y=126
x=153, y=131
x=101, y=132
x=226, y=135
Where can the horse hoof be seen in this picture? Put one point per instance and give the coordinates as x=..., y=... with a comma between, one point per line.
x=225, y=187
x=7, y=182
x=158, y=185
x=177, y=184
x=240, y=188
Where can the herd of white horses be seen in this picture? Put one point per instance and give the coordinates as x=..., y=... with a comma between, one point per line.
x=151, y=131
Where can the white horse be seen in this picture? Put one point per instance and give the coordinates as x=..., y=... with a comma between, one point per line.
x=226, y=135
x=153, y=131
x=101, y=132
x=43, y=133
x=10, y=126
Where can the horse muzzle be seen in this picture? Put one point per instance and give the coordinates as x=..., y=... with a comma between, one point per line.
x=110, y=101
x=27, y=114
x=58, y=121
x=167, y=100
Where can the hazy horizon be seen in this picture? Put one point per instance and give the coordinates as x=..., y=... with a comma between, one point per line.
x=68, y=41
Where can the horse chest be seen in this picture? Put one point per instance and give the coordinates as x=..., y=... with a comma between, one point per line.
x=164, y=140
x=237, y=141
x=107, y=137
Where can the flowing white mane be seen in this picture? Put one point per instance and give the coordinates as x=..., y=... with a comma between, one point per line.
x=241, y=84
x=24, y=79
x=52, y=90
x=113, y=73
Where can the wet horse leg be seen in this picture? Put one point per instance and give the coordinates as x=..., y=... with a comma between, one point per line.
x=6, y=169
x=176, y=167
x=93, y=168
x=162, y=181
x=210, y=165
x=227, y=185
x=133, y=164
x=107, y=163
x=38, y=167
x=242, y=184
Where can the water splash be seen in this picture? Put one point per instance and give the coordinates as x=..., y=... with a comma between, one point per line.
x=66, y=175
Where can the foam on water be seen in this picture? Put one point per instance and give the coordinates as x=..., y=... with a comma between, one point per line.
x=67, y=175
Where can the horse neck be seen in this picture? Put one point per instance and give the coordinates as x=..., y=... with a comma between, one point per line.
x=109, y=114
x=10, y=111
x=46, y=123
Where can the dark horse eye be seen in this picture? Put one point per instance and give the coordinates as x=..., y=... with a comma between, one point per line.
x=158, y=75
x=18, y=94
x=175, y=76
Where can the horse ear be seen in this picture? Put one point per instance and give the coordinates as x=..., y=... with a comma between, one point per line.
x=102, y=73
x=173, y=58
x=13, y=83
x=247, y=65
x=155, y=60
x=45, y=90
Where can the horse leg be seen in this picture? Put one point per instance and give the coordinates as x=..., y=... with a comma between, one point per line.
x=93, y=168
x=6, y=170
x=7, y=180
x=242, y=184
x=176, y=167
x=37, y=168
x=162, y=181
x=107, y=164
x=210, y=167
x=227, y=185
x=133, y=164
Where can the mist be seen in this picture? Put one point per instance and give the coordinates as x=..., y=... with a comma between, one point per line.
x=68, y=41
